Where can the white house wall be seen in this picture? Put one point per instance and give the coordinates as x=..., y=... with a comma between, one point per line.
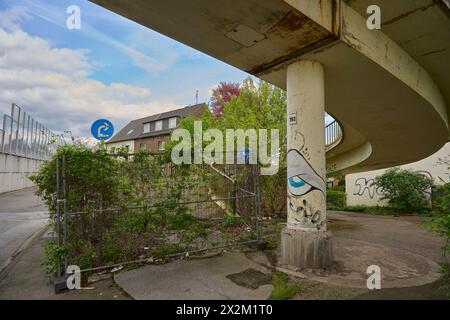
x=116, y=145
x=361, y=191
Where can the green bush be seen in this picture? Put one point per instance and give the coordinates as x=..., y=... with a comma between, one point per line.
x=441, y=224
x=441, y=199
x=95, y=182
x=336, y=200
x=232, y=221
x=404, y=189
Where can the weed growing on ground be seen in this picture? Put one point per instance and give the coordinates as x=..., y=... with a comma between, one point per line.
x=282, y=288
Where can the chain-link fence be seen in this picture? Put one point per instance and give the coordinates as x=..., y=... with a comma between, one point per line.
x=116, y=209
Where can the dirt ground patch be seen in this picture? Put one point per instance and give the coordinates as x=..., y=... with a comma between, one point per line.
x=250, y=278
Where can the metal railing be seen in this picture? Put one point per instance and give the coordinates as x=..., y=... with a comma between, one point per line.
x=23, y=136
x=333, y=135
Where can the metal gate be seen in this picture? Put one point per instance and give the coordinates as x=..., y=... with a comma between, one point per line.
x=150, y=211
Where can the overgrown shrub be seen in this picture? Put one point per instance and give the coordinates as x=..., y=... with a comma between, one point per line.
x=404, y=189
x=441, y=199
x=441, y=224
x=110, y=195
x=232, y=221
x=125, y=207
x=336, y=200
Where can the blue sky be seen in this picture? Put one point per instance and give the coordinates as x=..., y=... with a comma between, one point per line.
x=109, y=59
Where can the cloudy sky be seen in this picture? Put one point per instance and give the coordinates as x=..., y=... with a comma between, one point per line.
x=111, y=68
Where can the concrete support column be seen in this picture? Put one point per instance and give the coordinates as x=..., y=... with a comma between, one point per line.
x=306, y=243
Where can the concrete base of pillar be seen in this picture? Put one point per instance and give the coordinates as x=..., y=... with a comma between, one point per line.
x=306, y=250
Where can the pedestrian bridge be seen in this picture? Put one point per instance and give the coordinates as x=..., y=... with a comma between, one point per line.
x=388, y=89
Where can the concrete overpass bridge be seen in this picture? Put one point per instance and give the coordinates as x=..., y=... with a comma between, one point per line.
x=389, y=89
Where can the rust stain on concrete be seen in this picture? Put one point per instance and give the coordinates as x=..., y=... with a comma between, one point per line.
x=303, y=34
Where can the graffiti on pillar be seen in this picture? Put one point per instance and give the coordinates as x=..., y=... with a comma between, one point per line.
x=299, y=138
x=308, y=215
x=302, y=178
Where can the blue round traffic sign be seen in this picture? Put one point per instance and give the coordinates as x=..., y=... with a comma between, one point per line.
x=102, y=129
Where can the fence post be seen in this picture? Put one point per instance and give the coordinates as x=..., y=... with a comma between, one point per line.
x=256, y=191
x=65, y=211
x=60, y=280
x=58, y=213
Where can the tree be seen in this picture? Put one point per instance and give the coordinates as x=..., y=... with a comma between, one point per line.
x=258, y=106
x=223, y=94
x=404, y=189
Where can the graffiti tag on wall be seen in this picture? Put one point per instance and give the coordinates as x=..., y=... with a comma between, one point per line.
x=302, y=180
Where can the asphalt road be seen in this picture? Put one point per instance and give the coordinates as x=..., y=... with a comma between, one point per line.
x=22, y=214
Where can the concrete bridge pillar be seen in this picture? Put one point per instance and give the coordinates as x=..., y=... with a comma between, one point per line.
x=305, y=242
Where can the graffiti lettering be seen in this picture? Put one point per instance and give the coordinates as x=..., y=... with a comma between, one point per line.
x=363, y=184
x=307, y=214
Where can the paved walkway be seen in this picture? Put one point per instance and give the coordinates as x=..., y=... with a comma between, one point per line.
x=21, y=215
x=25, y=278
x=407, y=254
x=193, y=279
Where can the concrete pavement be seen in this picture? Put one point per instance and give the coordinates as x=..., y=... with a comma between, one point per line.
x=22, y=214
x=195, y=279
x=25, y=278
x=407, y=255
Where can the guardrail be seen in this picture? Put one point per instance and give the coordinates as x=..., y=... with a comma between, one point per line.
x=333, y=135
x=23, y=136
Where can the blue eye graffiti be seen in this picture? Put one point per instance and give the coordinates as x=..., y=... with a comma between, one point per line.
x=302, y=178
x=297, y=185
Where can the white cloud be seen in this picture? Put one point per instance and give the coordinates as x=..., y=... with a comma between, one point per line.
x=157, y=61
x=53, y=85
x=10, y=18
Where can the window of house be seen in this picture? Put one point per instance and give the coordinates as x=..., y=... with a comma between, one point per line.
x=146, y=127
x=158, y=125
x=161, y=145
x=143, y=146
x=172, y=123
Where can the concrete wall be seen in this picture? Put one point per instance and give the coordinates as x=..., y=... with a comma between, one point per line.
x=129, y=143
x=14, y=172
x=361, y=191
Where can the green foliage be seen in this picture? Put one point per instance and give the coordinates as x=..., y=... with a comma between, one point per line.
x=440, y=223
x=54, y=255
x=404, y=189
x=95, y=183
x=91, y=178
x=232, y=221
x=164, y=250
x=283, y=290
x=258, y=106
x=377, y=210
x=336, y=200
x=441, y=199
x=445, y=271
